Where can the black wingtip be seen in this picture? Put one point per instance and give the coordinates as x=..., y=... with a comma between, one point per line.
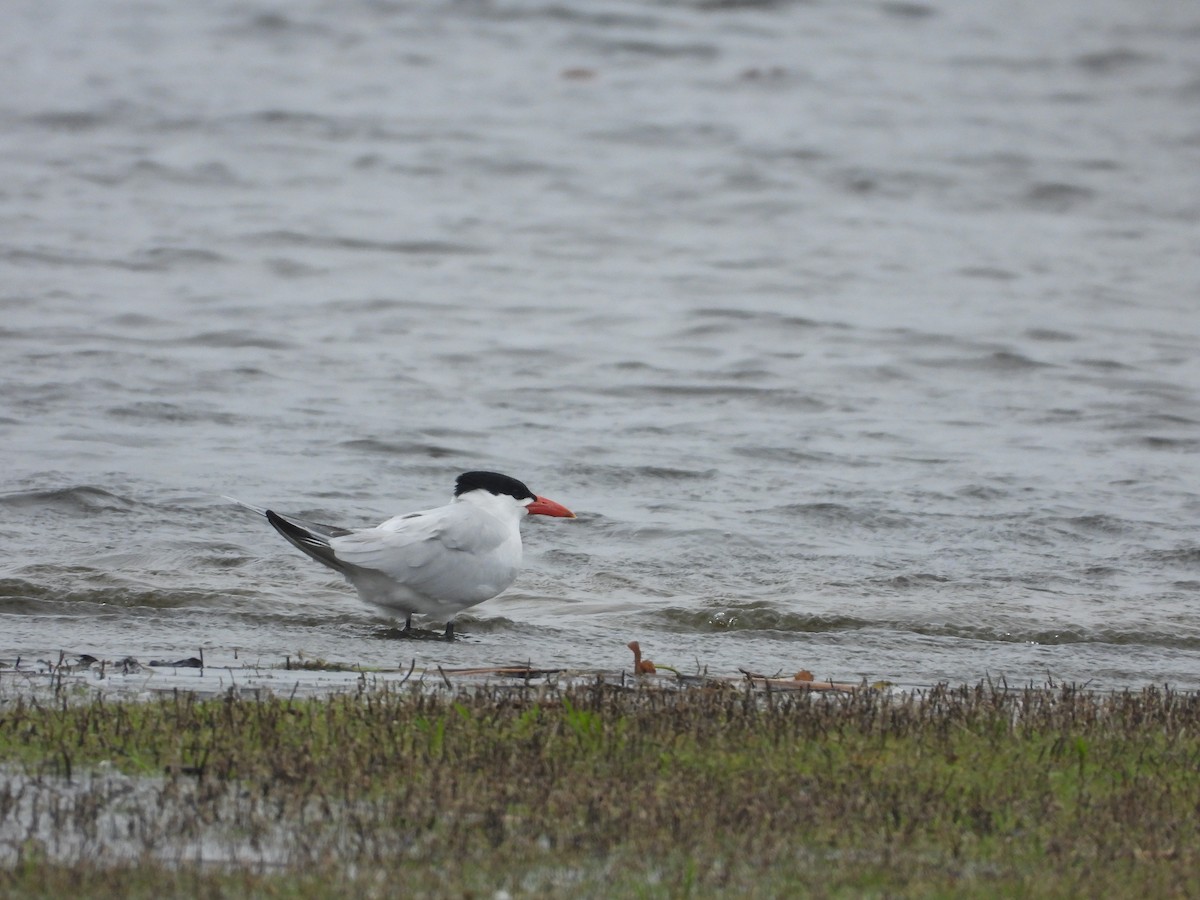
x=315, y=545
x=290, y=530
x=279, y=523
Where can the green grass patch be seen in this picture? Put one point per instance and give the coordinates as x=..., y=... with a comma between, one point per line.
x=597, y=791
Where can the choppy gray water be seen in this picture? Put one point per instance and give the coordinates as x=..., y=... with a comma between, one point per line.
x=862, y=336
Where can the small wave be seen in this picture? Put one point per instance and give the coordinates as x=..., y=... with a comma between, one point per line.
x=274, y=24
x=1105, y=62
x=19, y=595
x=402, y=448
x=374, y=305
x=997, y=361
x=788, y=398
x=1154, y=420
x=235, y=338
x=1104, y=572
x=667, y=473
x=788, y=455
x=911, y=580
x=1006, y=64
x=1158, y=442
x=757, y=617
x=1055, y=197
x=690, y=390
x=164, y=258
x=905, y=9
x=1105, y=365
x=655, y=49
x=679, y=136
x=839, y=514
x=304, y=123
x=22, y=255
x=764, y=616
x=1064, y=636
x=1097, y=523
x=339, y=242
x=1184, y=556
x=981, y=492
x=209, y=174
x=772, y=320
x=1049, y=335
x=291, y=268
x=576, y=14
x=151, y=411
x=81, y=498
x=891, y=183
x=133, y=320
x=717, y=5
x=71, y=120
x=768, y=616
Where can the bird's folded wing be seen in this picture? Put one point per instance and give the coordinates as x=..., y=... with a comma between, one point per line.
x=414, y=548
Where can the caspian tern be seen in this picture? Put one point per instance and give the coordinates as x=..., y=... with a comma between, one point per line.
x=436, y=562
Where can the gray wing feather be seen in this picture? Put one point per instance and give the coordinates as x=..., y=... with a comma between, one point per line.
x=420, y=552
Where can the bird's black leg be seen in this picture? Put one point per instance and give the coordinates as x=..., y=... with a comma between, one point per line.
x=449, y=636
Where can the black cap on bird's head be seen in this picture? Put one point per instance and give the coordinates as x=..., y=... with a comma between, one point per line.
x=493, y=483
x=502, y=485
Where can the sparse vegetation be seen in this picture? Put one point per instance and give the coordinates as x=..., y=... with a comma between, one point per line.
x=320, y=665
x=601, y=791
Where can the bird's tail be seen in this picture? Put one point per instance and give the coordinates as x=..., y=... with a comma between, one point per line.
x=254, y=509
x=316, y=528
x=310, y=537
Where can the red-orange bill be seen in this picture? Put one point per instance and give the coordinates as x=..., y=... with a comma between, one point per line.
x=543, y=507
